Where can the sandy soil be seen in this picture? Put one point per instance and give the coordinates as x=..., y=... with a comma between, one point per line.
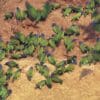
x=76, y=85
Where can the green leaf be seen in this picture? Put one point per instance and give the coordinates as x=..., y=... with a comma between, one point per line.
x=59, y=70
x=9, y=47
x=2, y=80
x=42, y=58
x=49, y=82
x=72, y=30
x=57, y=29
x=96, y=48
x=43, y=70
x=55, y=5
x=20, y=15
x=2, y=45
x=76, y=16
x=91, y=4
x=16, y=56
x=19, y=36
x=84, y=48
x=2, y=55
x=9, y=73
x=68, y=43
x=86, y=60
x=52, y=43
x=61, y=63
x=3, y=93
x=69, y=68
x=41, y=84
x=30, y=73
x=77, y=9
x=72, y=60
x=16, y=75
x=32, y=11
x=67, y=11
x=56, y=79
x=43, y=42
x=8, y=15
x=12, y=64
x=51, y=60
x=96, y=57
x=96, y=27
x=28, y=51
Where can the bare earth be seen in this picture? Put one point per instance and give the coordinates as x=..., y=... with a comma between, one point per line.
x=81, y=84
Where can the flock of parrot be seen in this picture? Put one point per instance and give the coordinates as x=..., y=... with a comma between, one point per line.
x=20, y=46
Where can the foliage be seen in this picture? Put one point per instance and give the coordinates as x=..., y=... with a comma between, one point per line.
x=20, y=15
x=12, y=64
x=72, y=30
x=30, y=73
x=8, y=15
x=86, y=60
x=68, y=43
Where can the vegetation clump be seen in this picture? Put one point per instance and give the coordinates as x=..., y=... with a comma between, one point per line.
x=20, y=46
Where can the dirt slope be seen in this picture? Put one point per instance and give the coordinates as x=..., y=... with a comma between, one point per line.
x=74, y=87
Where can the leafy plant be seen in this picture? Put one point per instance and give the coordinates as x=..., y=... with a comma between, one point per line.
x=96, y=52
x=69, y=68
x=56, y=79
x=2, y=80
x=59, y=70
x=20, y=15
x=3, y=93
x=28, y=51
x=52, y=43
x=96, y=48
x=16, y=75
x=72, y=60
x=30, y=73
x=77, y=9
x=43, y=70
x=89, y=9
x=72, y=30
x=41, y=84
x=12, y=64
x=49, y=82
x=96, y=18
x=16, y=56
x=51, y=59
x=42, y=55
x=20, y=36
x=67, y=11
x=84, y=48
x=32, y=39
x=42, y=41
x=68, y=43
x=9, y=73
x=2, y=55
x=8, y=15
x=55, y=5
x=36, y=14
x=61, y=64
x=59, y=33
x=76, y=16
x=85, y=60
